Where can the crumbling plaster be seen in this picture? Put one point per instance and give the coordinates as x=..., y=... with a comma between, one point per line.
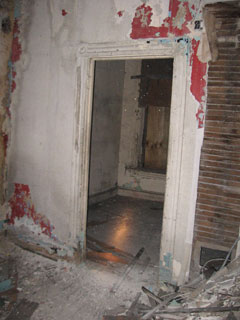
x=6, y=34
x=47, y=106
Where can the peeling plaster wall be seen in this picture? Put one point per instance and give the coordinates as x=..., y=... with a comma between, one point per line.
x=6, y=34
x=44, y=102
x=43, y=117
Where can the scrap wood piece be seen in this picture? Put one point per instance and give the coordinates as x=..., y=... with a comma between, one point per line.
x=208, y=284
x=153, y=299
x=185, y=310
x=119, y=318
x=133, y=307
x=103, y=247
x=23, y=310
x=145, y=265
x=231, y=316
x=126, y=272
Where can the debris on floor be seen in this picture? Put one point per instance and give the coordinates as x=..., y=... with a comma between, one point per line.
x=23, y=310
x=215, y=298
x=8, y=283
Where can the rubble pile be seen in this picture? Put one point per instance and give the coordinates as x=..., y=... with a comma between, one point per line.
x=207, y=299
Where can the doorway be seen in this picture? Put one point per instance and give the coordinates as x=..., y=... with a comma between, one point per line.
x=128, y=156
x=183, y=152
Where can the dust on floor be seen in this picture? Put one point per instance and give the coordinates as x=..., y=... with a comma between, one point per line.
x=67, y=291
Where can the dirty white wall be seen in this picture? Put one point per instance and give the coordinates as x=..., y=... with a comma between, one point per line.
x=45, y=106
x=43, y=116
x=106, y=124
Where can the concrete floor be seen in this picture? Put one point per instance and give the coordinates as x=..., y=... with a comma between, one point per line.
x=128, y=224
x=61, y=290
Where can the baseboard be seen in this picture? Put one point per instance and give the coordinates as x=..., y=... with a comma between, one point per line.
x=101, y=196
x=141, y=195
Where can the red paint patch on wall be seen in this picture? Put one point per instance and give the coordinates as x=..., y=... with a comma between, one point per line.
x=178, y=32
x=64, y=13
x=141, y=28
x=5, y=142
x=16, y=49
x=120, y=13
x=22, y=206
x=16, y=45
x=200, y=115
x=13, y=86
x=199, y=69
x=16, y=27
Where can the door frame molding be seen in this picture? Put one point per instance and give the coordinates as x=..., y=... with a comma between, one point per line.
x=86, y=57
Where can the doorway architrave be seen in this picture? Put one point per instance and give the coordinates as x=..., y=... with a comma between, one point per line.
x=175, y=183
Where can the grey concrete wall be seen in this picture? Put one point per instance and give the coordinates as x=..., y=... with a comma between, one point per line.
x=106, y=124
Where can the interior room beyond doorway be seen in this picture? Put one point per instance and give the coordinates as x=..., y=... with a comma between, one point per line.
x=128, y=154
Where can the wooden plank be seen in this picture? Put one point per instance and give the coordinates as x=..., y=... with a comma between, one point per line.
x=126, y=272
x=156, y=145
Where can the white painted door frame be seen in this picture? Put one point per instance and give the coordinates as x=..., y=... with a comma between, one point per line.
x=87, y=55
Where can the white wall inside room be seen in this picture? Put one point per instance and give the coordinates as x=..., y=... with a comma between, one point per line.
x=51, y=106
x=106, y=123
x=132, y=180
x=117, y=134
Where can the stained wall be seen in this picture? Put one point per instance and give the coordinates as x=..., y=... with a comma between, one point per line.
x=45, y=102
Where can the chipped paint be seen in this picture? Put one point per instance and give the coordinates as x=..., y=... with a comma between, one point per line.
x=176, y=25
x=166, y=266
x=133, y=185
x=23, y=208
x=64, y=12
x=199, y=69
x=179, y=15
x=200, y=116
x=16, y=45
x=120, y=13
x=6, y=33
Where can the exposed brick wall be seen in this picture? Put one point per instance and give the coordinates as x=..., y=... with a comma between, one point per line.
x=218, y=204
